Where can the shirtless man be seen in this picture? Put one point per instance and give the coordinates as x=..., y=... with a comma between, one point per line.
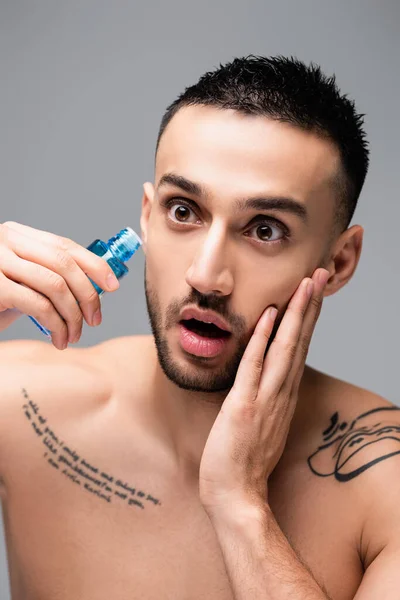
x=197, y=463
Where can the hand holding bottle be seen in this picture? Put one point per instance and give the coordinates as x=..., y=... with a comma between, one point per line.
x=46, y=276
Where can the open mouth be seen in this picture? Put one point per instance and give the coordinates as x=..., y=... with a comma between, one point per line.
x=208, y=330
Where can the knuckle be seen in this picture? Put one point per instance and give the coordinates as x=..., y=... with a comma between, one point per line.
x=253, y=365
x=289, y=348
x=304, y=346
x=4, y=233
x=257, y=365
x=317, y=313
x=92, y=296
x=3, y=251
x=316, y=303
x=247, y=411
x=266, y=335
x=62, y=243
x=76, y=319
x=297, y=312
x=44, y=306
x=63, y=260
x=57, y=283
x=9, y=223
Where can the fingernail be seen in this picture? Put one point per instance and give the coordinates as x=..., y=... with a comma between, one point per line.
x=272, y=312
x=323, y=277
x=112, y=282
x=96, y=320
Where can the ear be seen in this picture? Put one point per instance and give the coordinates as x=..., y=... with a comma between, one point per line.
x=343, y=259
x=147, y=203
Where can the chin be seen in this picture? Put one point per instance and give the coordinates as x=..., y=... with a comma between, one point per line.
x=197, y=374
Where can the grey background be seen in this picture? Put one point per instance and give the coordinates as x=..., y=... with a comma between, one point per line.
x=84, y=85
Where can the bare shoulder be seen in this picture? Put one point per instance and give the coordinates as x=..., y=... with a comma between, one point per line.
x=63, y=381
x=17, y=355
x=350, y=424
x=68, y=387
x=357, y=444
x=16, y=351
x=335, y=405
x=47, y=369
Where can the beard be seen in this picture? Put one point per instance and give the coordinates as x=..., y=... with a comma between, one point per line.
x=199, y=375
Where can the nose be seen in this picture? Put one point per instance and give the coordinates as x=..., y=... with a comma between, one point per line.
x=210, y=271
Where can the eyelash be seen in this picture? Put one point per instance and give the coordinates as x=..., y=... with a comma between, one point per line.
x=257, y=221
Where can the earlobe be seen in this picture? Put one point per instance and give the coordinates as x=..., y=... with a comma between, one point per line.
x=344, y=259
x=147, y=203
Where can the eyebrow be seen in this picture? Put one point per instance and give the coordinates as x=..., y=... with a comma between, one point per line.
x=280, y=203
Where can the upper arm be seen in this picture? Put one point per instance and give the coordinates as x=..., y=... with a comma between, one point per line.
x=380, y=538
x=382, y=577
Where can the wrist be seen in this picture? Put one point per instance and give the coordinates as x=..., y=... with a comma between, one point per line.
x=239, y=514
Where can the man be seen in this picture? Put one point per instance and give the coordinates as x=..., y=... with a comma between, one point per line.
x=206, y=461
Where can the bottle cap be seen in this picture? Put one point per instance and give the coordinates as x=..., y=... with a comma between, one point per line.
x=124, y=244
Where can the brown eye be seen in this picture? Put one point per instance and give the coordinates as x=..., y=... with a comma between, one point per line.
x=268, y=232
x=264, y=232
x=180, y=213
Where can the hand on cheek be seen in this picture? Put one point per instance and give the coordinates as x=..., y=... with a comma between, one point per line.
x=250, y=431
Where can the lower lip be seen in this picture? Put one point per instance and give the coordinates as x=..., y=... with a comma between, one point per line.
x=201, y=346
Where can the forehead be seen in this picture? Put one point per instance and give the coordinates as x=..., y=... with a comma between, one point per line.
x=234, y=153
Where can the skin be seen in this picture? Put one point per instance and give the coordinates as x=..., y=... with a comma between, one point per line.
x=232, y=157
x=142, y=411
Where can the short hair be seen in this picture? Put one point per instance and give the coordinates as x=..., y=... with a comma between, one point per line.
x=288, y=90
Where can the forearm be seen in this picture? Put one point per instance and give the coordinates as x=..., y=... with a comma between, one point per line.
x=259, y=560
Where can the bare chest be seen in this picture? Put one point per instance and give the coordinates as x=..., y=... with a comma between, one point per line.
x=65, y=541
x=92, y=514
x=71, y=536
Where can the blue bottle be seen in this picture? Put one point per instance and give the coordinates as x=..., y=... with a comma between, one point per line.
x=117, y=251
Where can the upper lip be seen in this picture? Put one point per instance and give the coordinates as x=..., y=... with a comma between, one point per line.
x=205, y=316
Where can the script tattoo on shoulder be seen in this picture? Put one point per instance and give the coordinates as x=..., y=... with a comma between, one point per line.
x=64, y=459
x=350, y=448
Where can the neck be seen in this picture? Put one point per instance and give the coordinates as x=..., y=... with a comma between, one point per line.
x=187, y=418
x=184, y=418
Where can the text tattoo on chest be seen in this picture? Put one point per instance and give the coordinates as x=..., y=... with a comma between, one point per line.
x=350, y=448
x=78, y=470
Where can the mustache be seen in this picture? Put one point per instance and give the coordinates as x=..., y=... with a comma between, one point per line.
x=218, y=305
x=210, y=302
x=238, y=324
x=206, y=302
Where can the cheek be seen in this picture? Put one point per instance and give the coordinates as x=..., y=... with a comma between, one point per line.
x=287, y=288
x=275, y=290
x=165, y=268
x=163, y=247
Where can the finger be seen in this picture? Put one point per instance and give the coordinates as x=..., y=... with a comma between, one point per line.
x=60, y=261
x=49, y=284
x=250, y=367
x=280, y=356
x=320, y=279
x=96, y=267
x=37, y=234
x=30, y=302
